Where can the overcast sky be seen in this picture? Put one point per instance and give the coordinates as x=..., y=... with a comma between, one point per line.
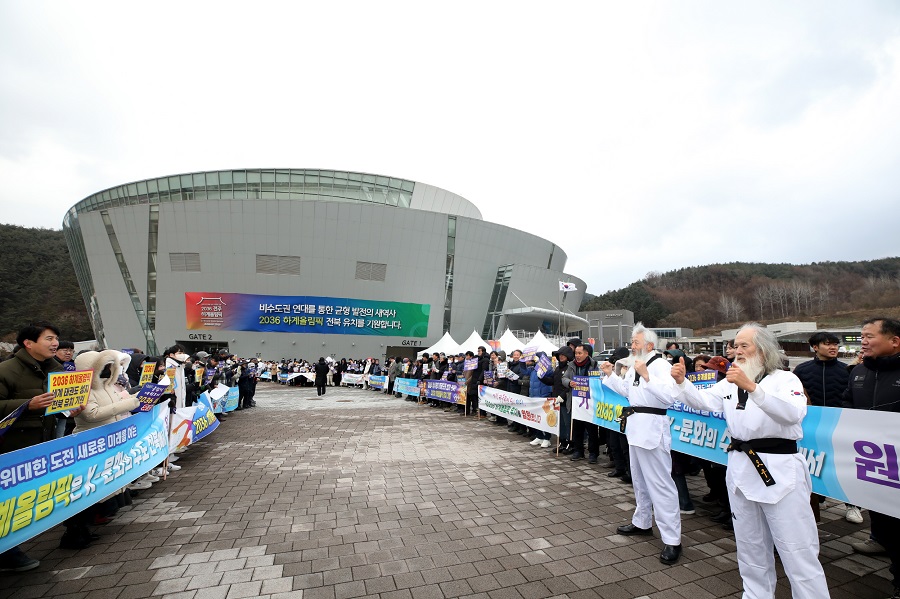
x=638, y=136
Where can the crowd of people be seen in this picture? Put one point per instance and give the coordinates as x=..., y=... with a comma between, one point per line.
x=764, y=495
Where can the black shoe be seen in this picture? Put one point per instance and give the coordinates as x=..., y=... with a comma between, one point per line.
x=626, y=478
x=74, y=541
x=568, y=451
x=670, y=554
x=577, y=456
x=632, y=530
x=708, y=498
x=592, y=459
x=609, y=465
x=728, y=526
x=722, y=517
x=616, y=474
x=15, y=560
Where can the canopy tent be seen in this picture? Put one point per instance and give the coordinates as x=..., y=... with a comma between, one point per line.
x=446, y=345
x=543, y=344
x=509, y=342
x=472, y=343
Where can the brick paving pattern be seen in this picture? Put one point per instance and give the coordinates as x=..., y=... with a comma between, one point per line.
x=364, y=495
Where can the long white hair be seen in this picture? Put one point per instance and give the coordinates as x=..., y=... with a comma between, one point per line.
x=767, y=345
x=649, y=336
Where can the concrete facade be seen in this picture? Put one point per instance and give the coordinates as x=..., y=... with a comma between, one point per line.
x=138, y=248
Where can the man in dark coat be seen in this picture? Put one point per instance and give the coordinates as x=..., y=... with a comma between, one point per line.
x=23, y=380
x=875, y=385
x=321, y=370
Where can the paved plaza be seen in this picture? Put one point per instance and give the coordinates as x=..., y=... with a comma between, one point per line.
x=364, y=495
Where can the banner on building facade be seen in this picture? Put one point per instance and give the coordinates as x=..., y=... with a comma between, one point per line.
x=45, y=484
x=304, y=314
x=539, y=413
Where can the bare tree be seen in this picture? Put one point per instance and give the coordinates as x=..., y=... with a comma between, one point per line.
x=761, y=295
x=824, y=296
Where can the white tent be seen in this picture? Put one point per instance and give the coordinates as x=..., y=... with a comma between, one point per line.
x=472, y=343
x=510, y=343
x=542, y=343
x=446, y=345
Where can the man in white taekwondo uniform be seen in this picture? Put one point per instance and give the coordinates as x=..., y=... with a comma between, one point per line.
x=646, y=426
x=768, y=481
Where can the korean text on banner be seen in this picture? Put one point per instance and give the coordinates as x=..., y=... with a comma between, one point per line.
x=150, y=394
x=534, y=412
x=447, y=391
x=45, y=484
x=304, y=314
x=147, y=371
x=70, y=390
x=191, y=424
x=351, y=378
x=851, y=454
x=407, y=386
x=232, y=399
x=543, y=366
x=378, y=381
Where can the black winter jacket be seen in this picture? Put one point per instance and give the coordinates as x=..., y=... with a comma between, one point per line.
x=824, y=381
x=874, y=385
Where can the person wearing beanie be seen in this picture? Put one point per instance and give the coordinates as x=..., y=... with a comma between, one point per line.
x=563, y=356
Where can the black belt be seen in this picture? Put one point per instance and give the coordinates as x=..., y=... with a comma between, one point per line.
x=757, y=446
x=626, y=412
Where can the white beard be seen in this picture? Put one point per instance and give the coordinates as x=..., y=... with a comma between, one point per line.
x=752, y=367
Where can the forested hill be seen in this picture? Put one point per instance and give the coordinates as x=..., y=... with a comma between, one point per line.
x=833, y=293
x=37, y=282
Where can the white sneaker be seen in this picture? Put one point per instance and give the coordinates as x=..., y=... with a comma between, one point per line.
x=535, y=442
x=158, y=471
x=150, y=478
x=174, y=467
x=139, y=485
x=545, y=443
x=173, y=458
x=492, y=418
x=853, y=515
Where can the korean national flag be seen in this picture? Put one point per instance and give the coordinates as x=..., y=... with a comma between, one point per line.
x=567, y=286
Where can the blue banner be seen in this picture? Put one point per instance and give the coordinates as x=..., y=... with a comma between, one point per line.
x=204, y=421
x=851, y=454
x=7, y=422
x=407, y=386
x=448, y=391
x=45, y=484
x=232, y=399
x=378, y=381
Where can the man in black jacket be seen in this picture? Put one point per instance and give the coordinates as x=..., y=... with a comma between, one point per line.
x=825, y=379
x=875, y=385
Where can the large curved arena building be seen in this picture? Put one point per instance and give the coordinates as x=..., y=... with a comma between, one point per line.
x=283, y=263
